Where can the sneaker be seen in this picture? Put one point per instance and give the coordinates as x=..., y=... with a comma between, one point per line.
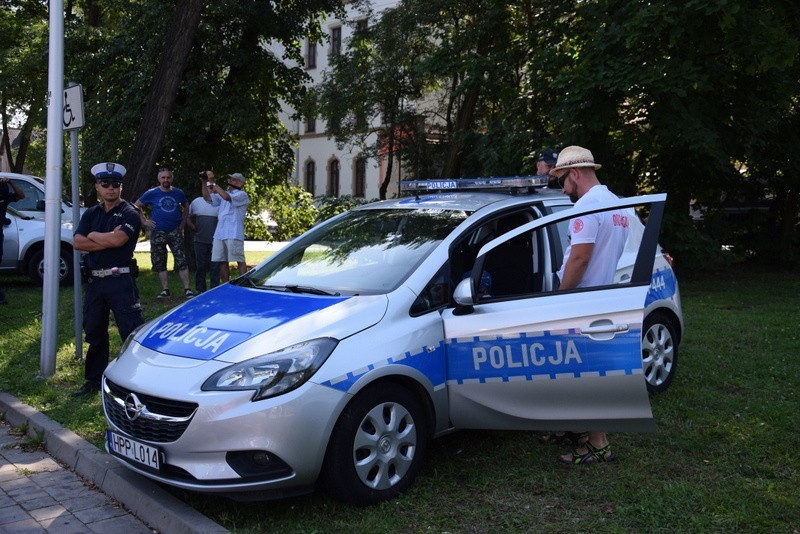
x=164, y=294
x=188, y=293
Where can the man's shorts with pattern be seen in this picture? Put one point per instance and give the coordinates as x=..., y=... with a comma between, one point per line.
x=158, y=249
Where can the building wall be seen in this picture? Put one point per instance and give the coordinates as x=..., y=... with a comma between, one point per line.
x=316, y=147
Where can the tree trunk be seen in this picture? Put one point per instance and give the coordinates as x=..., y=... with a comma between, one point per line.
x=455, y=152
x=161, y=101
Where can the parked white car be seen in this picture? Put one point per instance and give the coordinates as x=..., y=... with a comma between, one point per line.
x=23, y=247
x=33, y=203
x=335, y=361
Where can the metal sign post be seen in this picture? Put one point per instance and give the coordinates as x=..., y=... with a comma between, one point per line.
x=52, y=190
x=73, y=121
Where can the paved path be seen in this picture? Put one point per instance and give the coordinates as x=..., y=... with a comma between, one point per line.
x=73, y=487
x=37, y=494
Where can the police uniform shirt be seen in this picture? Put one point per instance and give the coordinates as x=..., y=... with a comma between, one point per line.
x=96, y=219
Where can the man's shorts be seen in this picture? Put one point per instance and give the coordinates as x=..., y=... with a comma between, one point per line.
x=158, y=249
x=227, y=250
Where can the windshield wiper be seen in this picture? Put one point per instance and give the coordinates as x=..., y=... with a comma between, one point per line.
x=242, y=279
x=312, y=290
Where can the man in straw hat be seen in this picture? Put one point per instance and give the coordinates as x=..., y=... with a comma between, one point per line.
x=596, y=242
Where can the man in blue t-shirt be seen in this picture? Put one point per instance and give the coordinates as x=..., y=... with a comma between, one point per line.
x=169, y=211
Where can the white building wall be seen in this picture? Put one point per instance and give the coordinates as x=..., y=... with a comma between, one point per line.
x=320, y=149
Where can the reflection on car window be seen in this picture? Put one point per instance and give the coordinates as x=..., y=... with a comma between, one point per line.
x=363, y=252
x=436, y=295
x=32, y=196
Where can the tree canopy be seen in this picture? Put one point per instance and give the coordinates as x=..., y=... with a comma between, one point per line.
x=698, y=99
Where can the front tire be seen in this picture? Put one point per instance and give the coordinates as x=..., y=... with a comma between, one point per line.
x=659, y=352
x=377, y=447
x=36, y=267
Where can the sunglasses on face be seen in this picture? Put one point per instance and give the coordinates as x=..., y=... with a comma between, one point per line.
x=561, y=179
x=105, y=184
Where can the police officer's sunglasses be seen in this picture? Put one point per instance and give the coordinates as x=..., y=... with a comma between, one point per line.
x=105, y=184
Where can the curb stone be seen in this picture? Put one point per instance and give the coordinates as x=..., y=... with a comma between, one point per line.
x=141, y=496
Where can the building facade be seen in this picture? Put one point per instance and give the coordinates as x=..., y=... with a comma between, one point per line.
x=321, y=168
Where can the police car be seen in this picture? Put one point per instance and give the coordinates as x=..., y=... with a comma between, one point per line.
x=334, y=361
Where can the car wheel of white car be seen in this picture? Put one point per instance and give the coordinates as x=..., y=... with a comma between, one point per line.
x=377, y=446
x=36, y=267
x=659, y=352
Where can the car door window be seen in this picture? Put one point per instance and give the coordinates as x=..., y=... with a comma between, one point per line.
x=32, y=196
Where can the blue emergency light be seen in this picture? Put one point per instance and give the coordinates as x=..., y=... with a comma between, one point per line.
x=510, y=183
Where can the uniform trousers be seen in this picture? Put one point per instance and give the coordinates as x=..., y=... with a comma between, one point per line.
x=117, y=294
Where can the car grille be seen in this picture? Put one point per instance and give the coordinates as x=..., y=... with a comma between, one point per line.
x=158, y=420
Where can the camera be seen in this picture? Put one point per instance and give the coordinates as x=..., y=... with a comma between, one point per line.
x=204, y=175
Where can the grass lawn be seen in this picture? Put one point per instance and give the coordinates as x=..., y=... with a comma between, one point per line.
x=723, y=460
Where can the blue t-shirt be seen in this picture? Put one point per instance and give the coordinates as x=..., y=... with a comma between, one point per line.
x=165, y=207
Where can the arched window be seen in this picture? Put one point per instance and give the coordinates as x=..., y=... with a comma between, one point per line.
x=333, y=178
x=360, y=177
x=311, y=176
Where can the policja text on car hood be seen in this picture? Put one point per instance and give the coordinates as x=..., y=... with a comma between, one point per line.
x=211, y=324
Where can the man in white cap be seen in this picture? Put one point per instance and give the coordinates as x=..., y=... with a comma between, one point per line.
x=228, y=243
x=596, y=242
x=108, y=232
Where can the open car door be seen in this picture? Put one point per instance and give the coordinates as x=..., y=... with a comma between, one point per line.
x=553, y=360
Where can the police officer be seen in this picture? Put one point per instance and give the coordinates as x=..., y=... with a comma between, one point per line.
x=108, y=232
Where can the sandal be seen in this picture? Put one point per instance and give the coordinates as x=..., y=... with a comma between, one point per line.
x=592, y=455
x=564, y=438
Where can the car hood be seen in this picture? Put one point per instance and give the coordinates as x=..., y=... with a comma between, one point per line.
x=211, y=324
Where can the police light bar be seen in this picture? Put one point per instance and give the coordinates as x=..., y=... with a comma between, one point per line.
x=472, y=184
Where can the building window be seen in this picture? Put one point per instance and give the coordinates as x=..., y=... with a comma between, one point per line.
x=311, y=54
x=311, y=176
x=361, y=25
x=336, y=41
x=311, y=125
x=360, y=178
x=333, y=179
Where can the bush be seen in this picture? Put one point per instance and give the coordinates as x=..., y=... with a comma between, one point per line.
x=292, y=208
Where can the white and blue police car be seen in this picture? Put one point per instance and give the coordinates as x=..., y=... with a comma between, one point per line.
x=335, y=361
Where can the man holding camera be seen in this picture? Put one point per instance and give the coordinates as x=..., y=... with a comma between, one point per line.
x=9, y=192
x=228, y=243
x=169, y=211
x=204, y=218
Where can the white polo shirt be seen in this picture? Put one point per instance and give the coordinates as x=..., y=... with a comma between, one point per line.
x=607, y=230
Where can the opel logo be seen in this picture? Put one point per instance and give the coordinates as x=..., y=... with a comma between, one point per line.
x=133, y=407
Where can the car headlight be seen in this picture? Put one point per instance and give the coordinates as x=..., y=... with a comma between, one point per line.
x=275, y=373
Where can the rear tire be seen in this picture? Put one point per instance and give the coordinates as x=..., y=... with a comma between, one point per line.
x=377, y=446
x=659, y=352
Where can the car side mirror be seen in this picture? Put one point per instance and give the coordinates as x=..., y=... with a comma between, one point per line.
x=6, y=221
x=40, y=205
x=463, y=294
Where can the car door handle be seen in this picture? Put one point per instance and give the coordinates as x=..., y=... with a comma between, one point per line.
x=605, y=329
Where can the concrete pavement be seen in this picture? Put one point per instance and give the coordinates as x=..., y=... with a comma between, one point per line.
x=73, y=486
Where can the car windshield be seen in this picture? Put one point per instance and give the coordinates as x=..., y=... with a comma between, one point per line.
x=363, y=252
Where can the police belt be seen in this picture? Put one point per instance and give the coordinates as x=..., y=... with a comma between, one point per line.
x=113, y=271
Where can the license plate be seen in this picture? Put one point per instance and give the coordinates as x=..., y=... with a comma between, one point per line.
x=132, y=449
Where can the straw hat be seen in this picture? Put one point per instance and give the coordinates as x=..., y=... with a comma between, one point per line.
x=572, y=157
